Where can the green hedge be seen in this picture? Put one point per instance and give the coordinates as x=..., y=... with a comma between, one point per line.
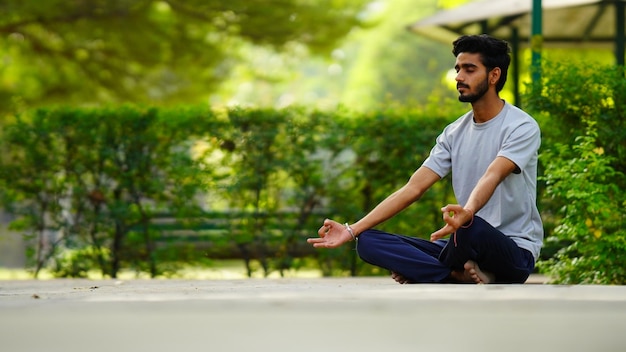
x=89, y=186
x=86, y=184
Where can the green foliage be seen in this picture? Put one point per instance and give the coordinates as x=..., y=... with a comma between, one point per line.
x=157, y=51
x=89, y=177
x=591, y=230
x=147, y=189
x=78, y=263
x=581, y=111
x=394, y=66
x=579, y=92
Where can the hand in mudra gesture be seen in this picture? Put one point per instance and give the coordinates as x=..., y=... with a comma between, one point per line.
x=332, y=234
x=455, y=217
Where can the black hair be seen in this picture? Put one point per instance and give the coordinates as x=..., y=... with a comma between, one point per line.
x=493, y=52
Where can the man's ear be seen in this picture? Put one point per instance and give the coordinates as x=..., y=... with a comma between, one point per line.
x=494, y=75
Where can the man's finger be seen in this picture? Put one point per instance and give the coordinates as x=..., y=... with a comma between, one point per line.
x=442, y=232
x=323, y=230
x=435, y=235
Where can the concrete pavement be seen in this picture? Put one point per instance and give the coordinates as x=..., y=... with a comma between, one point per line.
x=326, y=314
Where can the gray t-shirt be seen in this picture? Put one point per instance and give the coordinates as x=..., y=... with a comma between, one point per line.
x=466, y=149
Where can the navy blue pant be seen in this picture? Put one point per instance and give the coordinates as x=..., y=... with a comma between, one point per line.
x=422, y=261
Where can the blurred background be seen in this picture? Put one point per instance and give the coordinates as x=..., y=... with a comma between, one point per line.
x=347, y=74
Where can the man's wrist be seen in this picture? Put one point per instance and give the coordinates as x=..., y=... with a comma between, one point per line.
x=350, y=231
x=471, y=220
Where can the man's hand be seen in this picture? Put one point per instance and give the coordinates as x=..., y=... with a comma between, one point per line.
x=455, y=216
x=332, y=234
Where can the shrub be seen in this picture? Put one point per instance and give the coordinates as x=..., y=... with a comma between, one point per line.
x=591, y=229
x=581, y=108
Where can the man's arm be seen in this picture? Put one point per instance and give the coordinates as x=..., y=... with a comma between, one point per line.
x=420, y=182
x=456, y=215
x=333, y=234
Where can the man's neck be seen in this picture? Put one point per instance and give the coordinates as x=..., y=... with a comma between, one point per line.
x=486, y=108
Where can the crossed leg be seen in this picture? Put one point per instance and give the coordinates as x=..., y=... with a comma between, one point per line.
x=415, y=260
x=471, y=274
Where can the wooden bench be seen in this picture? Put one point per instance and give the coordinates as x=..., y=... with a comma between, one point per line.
x=234, y=235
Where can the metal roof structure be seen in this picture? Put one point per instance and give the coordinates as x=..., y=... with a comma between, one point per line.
x=565, y=22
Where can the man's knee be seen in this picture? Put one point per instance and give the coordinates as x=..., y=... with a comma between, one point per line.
x=366, y=247
x=467, y=236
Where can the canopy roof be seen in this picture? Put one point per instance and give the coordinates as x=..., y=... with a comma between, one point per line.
x=565, y=22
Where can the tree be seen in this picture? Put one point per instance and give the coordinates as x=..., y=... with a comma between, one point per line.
x=378, y=64
x=394, y=65
x=93, y=51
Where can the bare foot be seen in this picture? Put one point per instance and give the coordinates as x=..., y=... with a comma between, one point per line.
x=477, y=275
x=399, y=278
x=472, y=274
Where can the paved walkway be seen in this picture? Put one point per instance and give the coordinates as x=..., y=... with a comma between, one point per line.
x=342, y=314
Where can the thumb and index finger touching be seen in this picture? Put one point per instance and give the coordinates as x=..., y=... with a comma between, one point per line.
x=453, y=222
x=327, y=235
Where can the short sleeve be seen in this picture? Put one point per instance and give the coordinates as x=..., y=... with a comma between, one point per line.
x=440, y=160
x=521, y=145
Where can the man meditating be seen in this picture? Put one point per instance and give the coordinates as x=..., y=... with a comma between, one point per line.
x=494, y=233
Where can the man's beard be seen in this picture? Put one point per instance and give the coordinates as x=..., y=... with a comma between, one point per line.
x=481, y=89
